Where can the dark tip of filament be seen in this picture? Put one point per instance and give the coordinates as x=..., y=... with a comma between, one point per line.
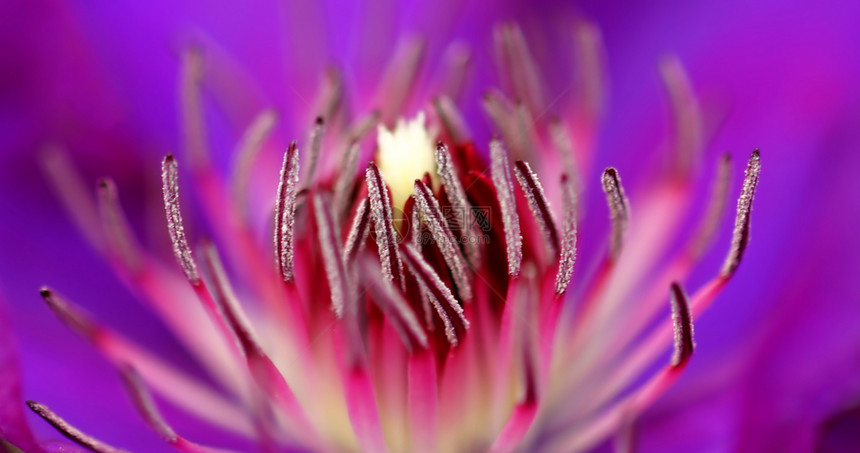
x=741, y=234
x=682, y=321
x=319, y=121
x=68, y=314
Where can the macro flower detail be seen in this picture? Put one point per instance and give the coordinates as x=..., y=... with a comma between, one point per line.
x=424, y=296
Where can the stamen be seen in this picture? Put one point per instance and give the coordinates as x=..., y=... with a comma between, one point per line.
x=316, y=145
x=452, y=119
x=358, y=232
x=74, y=317
x=285, y=212
x=517, y=61
x=395, y=307
x=505, y=194
x=329, y=242
x=619, y=210
x=386, y=239
x=74, y=434
x=74, y=193
x=538, y=203
x=429, y=280
x=716, y=205
x=400, y=75
x=248, y=149
x=331, y=94
x=227, y=302
x=191, y=102
x=591, y=67
x=689, y=136
x=170, y=181
x=428, y=206
x=345, y=178
x=457, y=197
x=417, y=239
x=741, y=235
x=116, y=227
x=501, y=112
x=562, y=141
x=457, y=60
x=145, y=404
x=261, y=367
x=361, y=128
x=186, y=392
x=682, y=321
x=567, y=258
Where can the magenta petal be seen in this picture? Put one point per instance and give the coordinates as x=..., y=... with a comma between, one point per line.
x=13, y=424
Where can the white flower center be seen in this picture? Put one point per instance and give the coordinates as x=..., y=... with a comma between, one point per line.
x=404, y=155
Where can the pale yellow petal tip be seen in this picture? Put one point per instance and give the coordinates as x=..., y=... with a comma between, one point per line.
x=404, y=155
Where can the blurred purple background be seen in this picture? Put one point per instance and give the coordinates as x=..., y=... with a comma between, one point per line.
x=778, y=361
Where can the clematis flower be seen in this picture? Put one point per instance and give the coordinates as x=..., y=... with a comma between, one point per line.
x=430, y=287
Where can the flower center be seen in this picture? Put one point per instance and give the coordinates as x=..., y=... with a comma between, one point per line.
x=404, y=155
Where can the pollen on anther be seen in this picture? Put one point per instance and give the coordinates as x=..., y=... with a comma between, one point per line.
x=505, y=192
x=358, y=232
x=170, y=181
x=429, y=208
x=329, y=243
x=538, y=204
x=457, y=196
x=285, y=212
x=618, y=208
x=380, y=211
x=741, y=234
x=567, y=257
x=436, y=291
x=74, y=434
x=682, y=320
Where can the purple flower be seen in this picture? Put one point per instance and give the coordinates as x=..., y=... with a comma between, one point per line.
x=441, y=278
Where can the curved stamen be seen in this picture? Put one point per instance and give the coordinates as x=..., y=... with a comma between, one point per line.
x=329, y=242
x=248, y=149
x=510, y=219
x=682, y=322
x=170, y=180
x=285, y=212
x=452, y=119
x=538, y=203
x=428, y=206
x=314, y=155
x=741, y=234
x=117, y=230
x=358, y=232
x=429, y=280
x=716, y=205
x=386, y=237
x=74, y=434
x=457, y=196
x=618, y=208
x=567, y=258
x=689, y=135
x=395, y=307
